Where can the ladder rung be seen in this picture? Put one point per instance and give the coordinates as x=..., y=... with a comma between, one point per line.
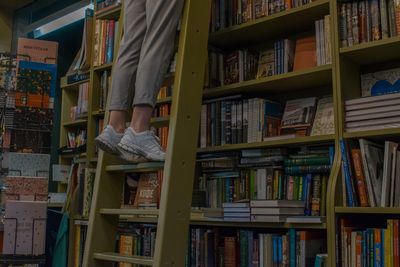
x=140, y=167
x=115, y=257
x=153, y=212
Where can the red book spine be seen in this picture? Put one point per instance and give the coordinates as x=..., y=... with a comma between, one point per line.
x=230, y=252
x=360, y=178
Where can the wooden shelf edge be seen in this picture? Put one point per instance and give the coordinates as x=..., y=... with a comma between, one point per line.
x=216, y=91
x=265, y=144
x=140, y=167
x=75, y=123
x=109, y=13
x=103, y=67
x=367, y=210
x=367, y=45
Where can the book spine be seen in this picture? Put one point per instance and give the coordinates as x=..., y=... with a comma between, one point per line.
x=316, y=196
x=375, y=20
x=323, y=195
x=343, y=26
x=368, y=22
x=360, y=178
x=396, y=244
x=362, y=22
x=307, y=210
x=384, y=19
x=245, y=121
x=354, y=22
x=392, y=18
x=378, y=248
x=397, y=16
x=347, y=173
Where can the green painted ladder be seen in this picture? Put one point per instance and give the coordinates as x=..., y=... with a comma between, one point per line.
x=174, y=212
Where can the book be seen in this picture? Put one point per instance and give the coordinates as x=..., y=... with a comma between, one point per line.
x=372, y=155
x=26, y=188
x=277, y=211
x=389, y=151
x=298, y=116
x=277, y=203
x=266, y=63
x=324, y=122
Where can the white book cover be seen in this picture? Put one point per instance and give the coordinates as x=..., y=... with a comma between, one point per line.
x=387, y=172
x=322, y=41
x=369, y=80
x=298, y=112
x=374, y=162
x=324, y=121
x=327, y=35
x=393, y=177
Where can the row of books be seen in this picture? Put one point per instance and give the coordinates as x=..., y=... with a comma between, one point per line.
x=80, y=232
x=371, y=173
x=162, y=110
x=233, y=120
x=165, y=91
x=225, y=179
x=105, y=41
x=227, y=13
x=81, y=109
x=162, y=134
x=373, y=112
x=368, y=246
x=85, y=191
x=286, y=55
x=366, y=21
x=106, y=5
x=76, y=139
x=105, y=85
x=214, y=247
x=135, y=239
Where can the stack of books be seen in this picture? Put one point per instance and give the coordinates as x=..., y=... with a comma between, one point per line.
x=373, y=113
x=236, y=211
x=275, y=210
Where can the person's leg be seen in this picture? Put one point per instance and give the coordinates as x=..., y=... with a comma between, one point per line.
x=124, y=74
x=162, y=18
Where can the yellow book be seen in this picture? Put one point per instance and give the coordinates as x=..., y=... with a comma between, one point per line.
x=125, y=248
x=77, y=245
x=387, y=246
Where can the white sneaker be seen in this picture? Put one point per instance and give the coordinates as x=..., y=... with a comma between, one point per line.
x=144, y=143
x=108, y=140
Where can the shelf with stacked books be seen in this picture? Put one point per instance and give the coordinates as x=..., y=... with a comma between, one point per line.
x=265, y=28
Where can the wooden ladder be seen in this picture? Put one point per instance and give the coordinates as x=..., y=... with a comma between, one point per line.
x=174, y=211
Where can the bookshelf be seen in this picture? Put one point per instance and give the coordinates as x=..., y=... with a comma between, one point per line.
x=339, y=78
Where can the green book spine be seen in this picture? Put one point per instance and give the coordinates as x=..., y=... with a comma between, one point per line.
x=301, y=181
x=295, y=188
x=243, y=248
x=308, y=161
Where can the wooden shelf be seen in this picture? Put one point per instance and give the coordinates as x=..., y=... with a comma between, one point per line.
x=55, y=205
x=309, y=140
x=98, y=113
x=76, y=123
x=160, y=122
x=302, y=79
x=294, y=20
x=72, y=86
x=166, y=100
x=361, y=210
x=390, y=132
x=375, y=52
x=113, y=13
x=103, y=67
x=140, y=167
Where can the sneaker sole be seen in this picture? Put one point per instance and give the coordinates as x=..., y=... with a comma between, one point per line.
x=131, y=157
x=137, y=149
x=106, y=146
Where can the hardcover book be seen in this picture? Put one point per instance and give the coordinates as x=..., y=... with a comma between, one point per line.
x=324, y=121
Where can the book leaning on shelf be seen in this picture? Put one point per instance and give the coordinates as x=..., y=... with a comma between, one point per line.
x=371, y=173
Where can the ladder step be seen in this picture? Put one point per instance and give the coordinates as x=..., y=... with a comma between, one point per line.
x=115, y=257
x=140, y=167
x=153, y=212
